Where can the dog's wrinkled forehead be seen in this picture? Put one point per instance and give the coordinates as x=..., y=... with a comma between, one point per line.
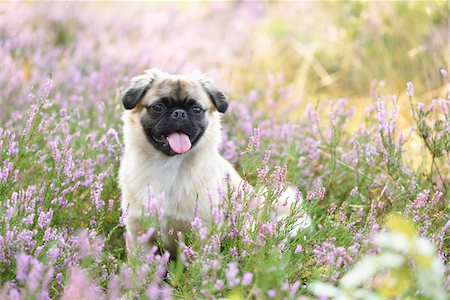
x=177, y=88
x=155, y=84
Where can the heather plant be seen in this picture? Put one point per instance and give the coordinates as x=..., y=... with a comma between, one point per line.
x=433, y=128
x=373, y=175
x=386, y=275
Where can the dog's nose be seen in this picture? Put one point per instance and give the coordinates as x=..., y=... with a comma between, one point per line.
x=178, y=114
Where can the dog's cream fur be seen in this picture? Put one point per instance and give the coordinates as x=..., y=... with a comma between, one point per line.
x=189, y=181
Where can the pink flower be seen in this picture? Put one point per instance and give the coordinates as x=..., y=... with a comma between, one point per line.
x=219, y=284
x=80, y=287
x=294, y=288
x=410, y=87
x=247, y=278
x=22, y=261
x=231, y=273
x=444, y=74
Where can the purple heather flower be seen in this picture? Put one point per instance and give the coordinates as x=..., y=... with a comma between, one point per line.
x=331, y=255
x=441, y=238
x=189, y=253
x=436, y=198
x=29, y=220
x=110, y=204
x=14, y=294
x=392, y=120
x=410, y=87
x=89, y=246
x=228, y=150
x=45, y=218
x=166, y=293
x=202, y=233
x=268, y=228
x=68, y=163
x=231, y=272
x=153, y=291
x=196, y=223
x=262, y=172
x=80, y=287
x=22, y=261
x=114, y=286
x=96, y=191
x=253, y=141
x=83, y=243
x=382, y=119
x=219, y=284
x=298, y=249
x=420, y=106
x=279, y=173
x=46, y=92
x=444, y=74
x=13, y=148
x=332, y=118
x=421, y=199
x=319, y=194
x=354, y=192
x=247, y=278
x=294, y=288
x=146, y=237
x=34, y=278
x=32, y=114
x=4, y=174
x=267, y=154
x=123, y=217
x=432, y=104
x=271, y=293
x=53, y=253
x=113, y=133
x=217, y=215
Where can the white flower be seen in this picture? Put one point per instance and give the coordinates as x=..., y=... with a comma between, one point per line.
x=424, y=247
x=390, y=260
x=397, y=247
x=324, y=289
x=367, y=267
x=329, y=291
x=430, y=279
x=392, y=240
x=364, y=294
x=361, y=272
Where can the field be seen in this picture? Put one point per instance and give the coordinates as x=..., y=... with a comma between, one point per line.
x=348, y=101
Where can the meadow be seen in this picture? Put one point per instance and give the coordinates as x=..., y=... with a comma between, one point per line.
x=349, y=102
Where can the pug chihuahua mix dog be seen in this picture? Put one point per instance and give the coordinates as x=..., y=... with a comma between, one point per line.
x=172, y=133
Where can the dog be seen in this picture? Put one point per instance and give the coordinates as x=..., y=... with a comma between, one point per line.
x=172, y=132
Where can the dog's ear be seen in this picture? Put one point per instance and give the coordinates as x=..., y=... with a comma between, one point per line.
x=138, y=87
x=217, y=97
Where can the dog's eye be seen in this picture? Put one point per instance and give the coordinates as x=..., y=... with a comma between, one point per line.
x=158, y=107
x=197, y=110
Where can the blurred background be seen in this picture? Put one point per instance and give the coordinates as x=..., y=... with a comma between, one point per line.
x=306, y=51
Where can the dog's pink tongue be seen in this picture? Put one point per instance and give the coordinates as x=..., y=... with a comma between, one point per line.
x=179, y=142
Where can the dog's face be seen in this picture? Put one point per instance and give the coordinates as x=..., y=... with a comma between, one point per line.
x=174, y=110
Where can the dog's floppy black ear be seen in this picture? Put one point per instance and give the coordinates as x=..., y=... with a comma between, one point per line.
x=138, y=87
x=217, y=97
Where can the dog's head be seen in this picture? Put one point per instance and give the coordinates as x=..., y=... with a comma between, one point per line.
x=174, y=110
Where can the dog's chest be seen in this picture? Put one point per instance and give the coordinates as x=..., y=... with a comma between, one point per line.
x=188, y=191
